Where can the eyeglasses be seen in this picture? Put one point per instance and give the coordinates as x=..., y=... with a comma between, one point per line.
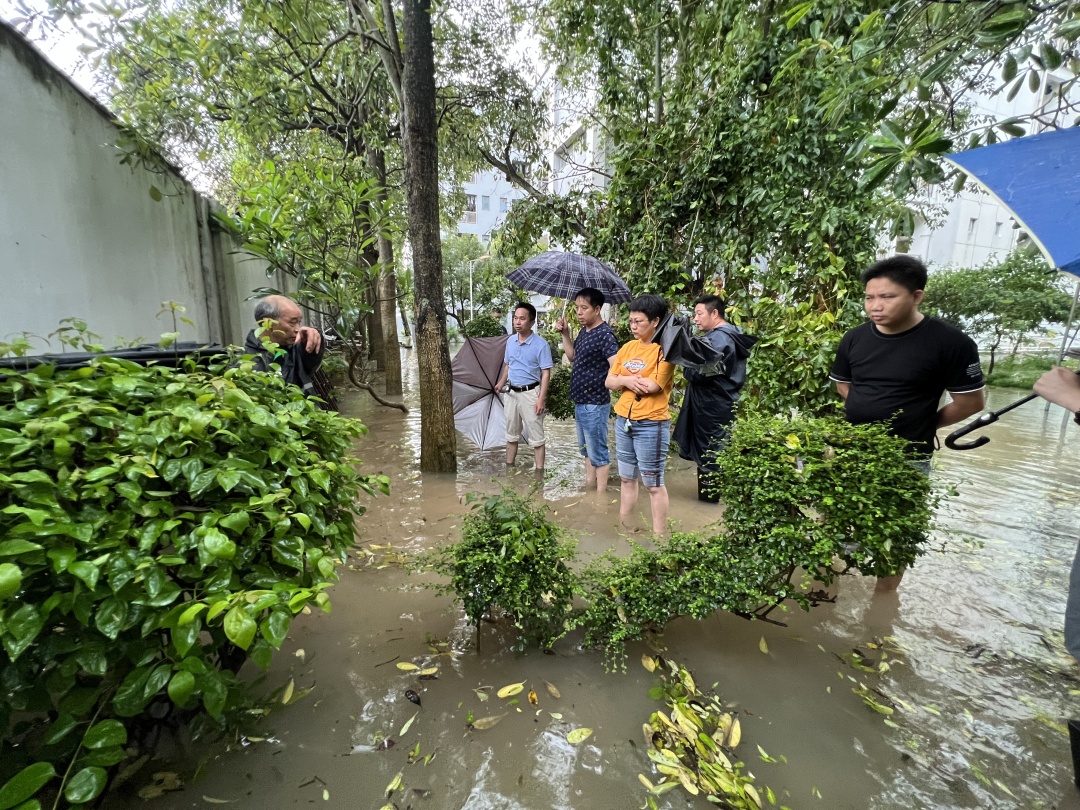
x=639, y=321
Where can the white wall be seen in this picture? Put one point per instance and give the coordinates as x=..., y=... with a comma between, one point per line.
x=81, y=236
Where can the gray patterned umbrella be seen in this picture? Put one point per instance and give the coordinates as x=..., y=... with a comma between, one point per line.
x=561, y=275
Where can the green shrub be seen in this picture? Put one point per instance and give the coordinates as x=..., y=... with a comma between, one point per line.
x=554, y=342
x=800, y=494
x=484, y=326
x=1021, y=371
x=559, y=404
x=800, y=490
x=513, y=559
x=158, y=528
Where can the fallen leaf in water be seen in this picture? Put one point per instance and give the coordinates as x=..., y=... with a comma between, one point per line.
x=394, y=785
x=764, y=647
x=429, y=671
x=556, y=715
x=169, y=780
x=414, y=754
x=153, y=791
x=289, y=689
x=484, y=723
x=533, y=697
x=325, y=795
x=300, y=654
x=212, y=800
x=552, y=690
x=648, y=662
x=511, y=689
x=735, y=734
x=407, y=667
x=405, y=728
x=480, y=693
x=412, y=696
x=578, y=735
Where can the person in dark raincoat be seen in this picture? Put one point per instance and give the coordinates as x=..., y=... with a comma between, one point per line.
x=299, y=351
x=711, y=393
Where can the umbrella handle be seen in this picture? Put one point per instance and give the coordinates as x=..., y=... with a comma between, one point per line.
x=981, y=422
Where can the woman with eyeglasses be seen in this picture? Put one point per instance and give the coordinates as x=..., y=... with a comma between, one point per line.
x=643, y=421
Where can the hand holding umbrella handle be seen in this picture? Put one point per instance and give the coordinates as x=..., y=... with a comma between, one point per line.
x=981, y=422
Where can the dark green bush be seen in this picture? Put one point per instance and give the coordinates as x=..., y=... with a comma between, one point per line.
x=159, y=527
x=559, y=404
x=511, y=558
x=484, y=326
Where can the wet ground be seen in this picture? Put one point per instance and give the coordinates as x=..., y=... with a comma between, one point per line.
x=972, y=648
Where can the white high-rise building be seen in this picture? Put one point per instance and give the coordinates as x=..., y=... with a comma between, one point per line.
x=489, y=196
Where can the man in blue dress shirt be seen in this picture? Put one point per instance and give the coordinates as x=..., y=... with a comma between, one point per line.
x=526, y=372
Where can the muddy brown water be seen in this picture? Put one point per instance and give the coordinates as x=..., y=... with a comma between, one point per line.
x=973, y=643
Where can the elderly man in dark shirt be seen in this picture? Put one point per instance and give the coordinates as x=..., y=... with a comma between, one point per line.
x=299, y=349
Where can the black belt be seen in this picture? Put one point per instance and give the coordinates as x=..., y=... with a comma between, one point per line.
x=517, y=389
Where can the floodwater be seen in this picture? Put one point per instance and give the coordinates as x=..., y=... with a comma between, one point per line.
x=976, y=666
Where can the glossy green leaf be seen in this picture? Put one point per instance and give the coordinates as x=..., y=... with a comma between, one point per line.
x=181, y=687
x=86, y=785
x=10, y=580
x=25, y=784
x=240, y=627
x=104, y=734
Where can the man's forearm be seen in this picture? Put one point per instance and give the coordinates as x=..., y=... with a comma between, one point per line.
x=961, y=407
x=545, y=378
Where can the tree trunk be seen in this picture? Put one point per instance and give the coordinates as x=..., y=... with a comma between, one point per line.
x=420, y=136
x=378, y=345
x=387, y=311
x=405, y=324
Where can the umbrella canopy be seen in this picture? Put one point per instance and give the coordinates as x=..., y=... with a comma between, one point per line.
x=561, y=275
x=478, y=407
x=1038, y=179
x=144, y=355
x=680, y=345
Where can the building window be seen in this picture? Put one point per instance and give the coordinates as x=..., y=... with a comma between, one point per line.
x=485, y=203
x=997, y=230
x=469, y=215
x=972, y=223
x=503, y=205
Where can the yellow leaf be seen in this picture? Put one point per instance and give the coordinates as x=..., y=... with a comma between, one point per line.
x=428, y=671
x=648, y=662
x=484, y=723
x=212, y=800
x=510, y=690
x=735, y=735
x=793, y=442
x=396, y=784
x=405, y=728
x=325, y=795
x=644, y=781
x=300, y=654
x=552, y=690
x=555, y=715
x=578, y=735
x=153, y=791
x=684, y=777
x=287, y=696
x=407, y=667
x=533, y=697
x=751, y=791
x=762, y=645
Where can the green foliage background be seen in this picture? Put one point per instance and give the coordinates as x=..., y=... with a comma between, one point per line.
x=159, y=527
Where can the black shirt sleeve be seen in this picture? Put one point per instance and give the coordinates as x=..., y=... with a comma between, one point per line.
x=841, y=367
x=965, y=372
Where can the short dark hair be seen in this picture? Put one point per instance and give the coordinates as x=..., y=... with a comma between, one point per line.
x=651, y=305
x=712, y=303
x=905, y=270
x=526, y=305
x=592, y=295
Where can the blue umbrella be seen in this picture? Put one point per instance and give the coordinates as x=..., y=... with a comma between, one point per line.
x=1038, y=179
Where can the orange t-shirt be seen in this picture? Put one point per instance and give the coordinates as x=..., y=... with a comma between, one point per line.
x=636, y=357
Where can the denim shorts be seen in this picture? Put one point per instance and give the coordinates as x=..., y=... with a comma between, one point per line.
x=592, y=432
x=641, y=447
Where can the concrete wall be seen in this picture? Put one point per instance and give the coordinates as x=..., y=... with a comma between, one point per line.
x=81, y=235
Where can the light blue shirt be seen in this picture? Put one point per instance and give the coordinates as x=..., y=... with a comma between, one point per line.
x=526, y=360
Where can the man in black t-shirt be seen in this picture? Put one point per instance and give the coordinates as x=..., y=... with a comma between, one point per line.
x=895, y=367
